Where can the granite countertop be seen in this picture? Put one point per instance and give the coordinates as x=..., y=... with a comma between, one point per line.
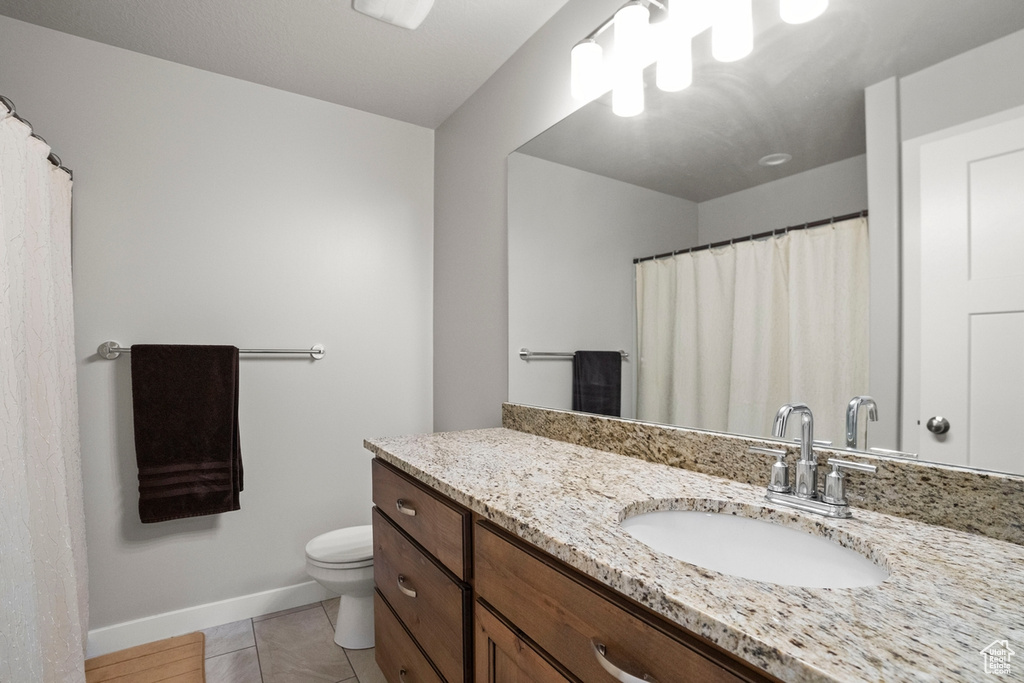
x=949, y=594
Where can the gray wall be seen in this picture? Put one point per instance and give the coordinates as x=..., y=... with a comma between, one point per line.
x=977, y=83
x=883, y=174
x=572, y=237
x=214, y=211
x=831, y=190
x=529, y=93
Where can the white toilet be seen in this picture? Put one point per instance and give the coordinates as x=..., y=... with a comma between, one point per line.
x=342, y=561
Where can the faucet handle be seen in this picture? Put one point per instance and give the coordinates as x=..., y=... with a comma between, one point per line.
x=889, y=453
x=779, y=481
x=835, y=482
x=849, y=465
x=818, y=443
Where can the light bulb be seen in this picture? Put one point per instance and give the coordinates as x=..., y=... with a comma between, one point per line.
x=732, y=30
x=675, y=66
x=675, y=54
x=633, y=35
x=628, y=90
x=632, y=54
x=801, y=11
x=587, y=76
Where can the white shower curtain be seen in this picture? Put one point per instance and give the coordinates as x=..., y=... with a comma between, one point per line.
x=43, y=614
x=726, y=336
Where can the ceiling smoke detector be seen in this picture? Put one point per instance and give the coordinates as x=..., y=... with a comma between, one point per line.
x=405, y=13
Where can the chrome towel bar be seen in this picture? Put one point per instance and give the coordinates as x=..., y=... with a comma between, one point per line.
x=527, y=354
x=111, y=350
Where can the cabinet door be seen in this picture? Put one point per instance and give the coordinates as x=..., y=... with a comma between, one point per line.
x=503, y=657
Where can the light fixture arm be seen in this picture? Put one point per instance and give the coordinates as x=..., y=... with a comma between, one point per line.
x=610, y=20
x=601, y=29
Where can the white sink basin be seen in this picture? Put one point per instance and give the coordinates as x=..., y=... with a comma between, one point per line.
x=754, y=549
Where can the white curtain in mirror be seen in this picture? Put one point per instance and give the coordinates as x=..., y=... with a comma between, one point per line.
x=727, y=335
x=43, y=613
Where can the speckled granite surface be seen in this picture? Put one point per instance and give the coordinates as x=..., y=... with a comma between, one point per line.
x=977, y=502
x=948, y=596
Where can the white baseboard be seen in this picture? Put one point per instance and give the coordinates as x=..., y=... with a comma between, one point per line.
x=169, y=624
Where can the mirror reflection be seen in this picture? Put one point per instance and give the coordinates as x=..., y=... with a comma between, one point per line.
x=902, y=123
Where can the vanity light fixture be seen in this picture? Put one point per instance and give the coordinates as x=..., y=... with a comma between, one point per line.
x=638, y=43
x=776, y=159
x=801, y=11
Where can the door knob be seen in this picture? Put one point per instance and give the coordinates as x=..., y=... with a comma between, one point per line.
x=938, y=425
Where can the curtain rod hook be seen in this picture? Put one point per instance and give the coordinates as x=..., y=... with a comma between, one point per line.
x=9, y=106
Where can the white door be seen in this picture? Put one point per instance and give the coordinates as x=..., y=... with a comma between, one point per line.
x=971, y=242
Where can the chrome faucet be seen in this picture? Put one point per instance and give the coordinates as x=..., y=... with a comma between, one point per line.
x=852, y=411
x=804, y=495
x=806, y=481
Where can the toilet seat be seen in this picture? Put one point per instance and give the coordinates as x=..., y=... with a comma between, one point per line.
x=340, y=565
x=349, y=548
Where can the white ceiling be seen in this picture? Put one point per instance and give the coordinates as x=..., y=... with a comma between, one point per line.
x=800, y=92
x=319, y=48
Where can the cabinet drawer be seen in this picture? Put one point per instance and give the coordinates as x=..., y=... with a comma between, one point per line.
x=397, y=655
x=431, y=604
x=436, y=524
x=570, y=620
x=503, y=657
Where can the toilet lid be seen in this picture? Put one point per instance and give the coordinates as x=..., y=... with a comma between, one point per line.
x=352, y=544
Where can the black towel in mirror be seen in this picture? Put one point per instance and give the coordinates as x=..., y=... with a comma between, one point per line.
x=185, y=401
x=597, y=382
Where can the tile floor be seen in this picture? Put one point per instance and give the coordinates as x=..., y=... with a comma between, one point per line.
x=293, y=646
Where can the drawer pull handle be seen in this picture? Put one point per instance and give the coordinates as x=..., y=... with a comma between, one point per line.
x=404, y=509
x=401, y=586
x=601, y=652
x=401, y=675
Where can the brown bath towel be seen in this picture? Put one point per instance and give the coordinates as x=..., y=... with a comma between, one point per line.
x=185, y=401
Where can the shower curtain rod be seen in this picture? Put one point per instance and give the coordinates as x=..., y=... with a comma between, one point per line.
x=53, y=158
x=760, y=235
x=111, y=350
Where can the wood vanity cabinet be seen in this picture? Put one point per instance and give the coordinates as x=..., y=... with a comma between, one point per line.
x=534, y=619
x=421, y=555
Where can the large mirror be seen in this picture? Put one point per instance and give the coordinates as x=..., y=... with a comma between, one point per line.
x=909, y=112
